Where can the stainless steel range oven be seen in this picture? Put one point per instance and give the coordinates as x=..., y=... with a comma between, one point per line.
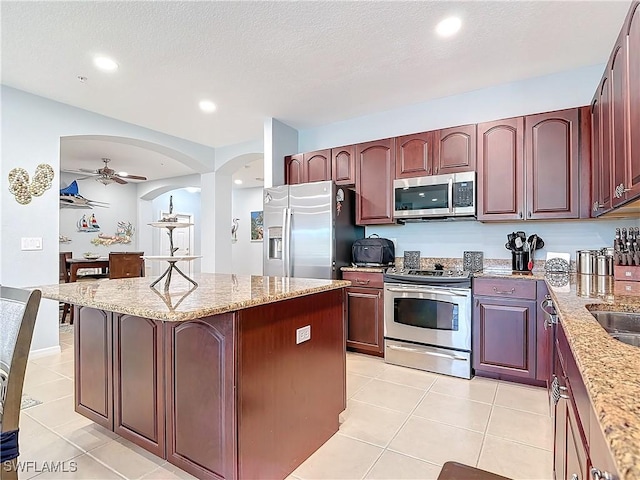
x=427, y=320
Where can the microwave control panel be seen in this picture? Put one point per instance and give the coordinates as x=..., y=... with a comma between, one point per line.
x=463, y=194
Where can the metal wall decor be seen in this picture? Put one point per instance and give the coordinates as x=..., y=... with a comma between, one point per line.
x=23, y=189
x=124, y=232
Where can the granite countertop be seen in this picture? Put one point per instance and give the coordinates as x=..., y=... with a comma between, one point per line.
x=216, y=293
x=504, y=273
x=610, y=369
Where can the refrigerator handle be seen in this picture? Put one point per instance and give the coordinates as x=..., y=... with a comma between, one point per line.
x=285, y=246
x=287, y=237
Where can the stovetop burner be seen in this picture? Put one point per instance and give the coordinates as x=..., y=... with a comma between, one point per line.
x=426, y=277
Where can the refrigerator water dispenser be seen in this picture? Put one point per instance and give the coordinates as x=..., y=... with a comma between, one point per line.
x=275, y=243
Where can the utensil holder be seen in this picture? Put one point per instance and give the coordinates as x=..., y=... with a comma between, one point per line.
x=520, y=261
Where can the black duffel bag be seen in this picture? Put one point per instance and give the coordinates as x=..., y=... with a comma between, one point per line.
x=373, y=252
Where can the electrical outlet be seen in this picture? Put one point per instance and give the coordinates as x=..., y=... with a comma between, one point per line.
x=28, y=243
x=303, y=334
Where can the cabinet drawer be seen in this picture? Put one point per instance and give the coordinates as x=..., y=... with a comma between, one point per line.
x=505, y=288
x=364, y=279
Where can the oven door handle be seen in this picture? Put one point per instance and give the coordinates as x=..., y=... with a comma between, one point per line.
x=425, y=290
x=423, y=352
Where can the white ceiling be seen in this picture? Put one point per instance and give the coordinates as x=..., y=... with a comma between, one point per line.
x=305, y=63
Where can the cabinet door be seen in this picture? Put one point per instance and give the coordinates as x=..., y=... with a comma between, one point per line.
x=317, y=166
x=455, y=150
x=500, y=170
x=597, y=208
x=577, y=458
x=552, y=160
x=414, y=154
x=544, y=338
x=343, y=165
x=138, y=387
x=559, y=425
x=618, y=78
x=606, y=184
x=633, y=100
x=200, y=396
x=94, y=365
x=375, y=169
x=365, y=314
x=294, y=169
x=504, y=337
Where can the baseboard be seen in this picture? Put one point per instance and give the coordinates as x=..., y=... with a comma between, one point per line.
x=43, y=352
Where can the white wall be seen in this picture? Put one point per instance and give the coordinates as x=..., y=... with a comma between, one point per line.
x=31, y=131
x=449, y=239
x=184, y=202
x=541, y=94
x=123, y=204
x=246, y=255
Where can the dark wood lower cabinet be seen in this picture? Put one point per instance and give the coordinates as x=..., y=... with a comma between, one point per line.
x=365, y=321
x=138, y=381
x=93, y=351
x=201, y=396
x=229, y=396
x=504, y=337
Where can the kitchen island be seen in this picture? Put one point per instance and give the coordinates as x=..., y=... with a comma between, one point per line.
x=218, y=379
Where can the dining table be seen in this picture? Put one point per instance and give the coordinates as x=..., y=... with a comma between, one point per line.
x=74, y=264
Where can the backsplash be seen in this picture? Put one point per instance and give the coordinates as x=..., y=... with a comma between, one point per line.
x=449, y=239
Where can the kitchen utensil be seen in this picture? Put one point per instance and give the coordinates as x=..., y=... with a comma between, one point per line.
x=532, y=248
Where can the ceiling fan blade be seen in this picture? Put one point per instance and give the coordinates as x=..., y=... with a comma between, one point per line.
x=132, y=177
x=119, y=180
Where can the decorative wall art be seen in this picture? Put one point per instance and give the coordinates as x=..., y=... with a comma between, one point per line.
x=123, y=234
x=88, y=224
x=24, y=190
x=69, y=197
x=64, y=239
x=234, y=230
x=257, y=222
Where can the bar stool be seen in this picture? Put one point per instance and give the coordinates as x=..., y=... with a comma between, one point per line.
x=459, y=471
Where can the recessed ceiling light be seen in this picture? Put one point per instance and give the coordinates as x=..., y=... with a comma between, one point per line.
x=207, y=106
x=238, y=182
x=123, y=174
x=104, y=63
x=448, y=26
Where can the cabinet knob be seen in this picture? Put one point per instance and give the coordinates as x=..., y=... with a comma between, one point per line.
x=520, y=214
x=529, y=214
x=575, y=477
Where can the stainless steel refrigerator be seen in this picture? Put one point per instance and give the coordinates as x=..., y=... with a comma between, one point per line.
x=308, y=230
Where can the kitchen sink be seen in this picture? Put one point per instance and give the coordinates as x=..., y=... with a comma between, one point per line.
x=623, y=326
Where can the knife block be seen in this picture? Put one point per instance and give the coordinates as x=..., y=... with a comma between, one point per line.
x=629, y=273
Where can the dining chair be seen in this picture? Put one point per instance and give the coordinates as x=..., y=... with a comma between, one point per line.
x=126, y=265
x=64, y=278
x=18, y=310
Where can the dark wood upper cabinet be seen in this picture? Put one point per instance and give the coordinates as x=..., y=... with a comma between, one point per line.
x=500, y=170
x=633, y=102
x=343, y=165
x=606, y=185
x=618, y=80
x=597, y=207
x=308, y=167
x=414, y=155
x=294, y=169
x=552, y=157
x=375, y=169
x=317, y=166
x=455, y=150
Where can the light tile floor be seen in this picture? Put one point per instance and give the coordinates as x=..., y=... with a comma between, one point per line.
x=400, y=423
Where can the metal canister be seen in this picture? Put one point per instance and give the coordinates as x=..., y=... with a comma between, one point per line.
x=604, y=265
x=586, y=262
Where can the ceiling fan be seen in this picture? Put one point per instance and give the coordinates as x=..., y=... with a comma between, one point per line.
x=106, y=175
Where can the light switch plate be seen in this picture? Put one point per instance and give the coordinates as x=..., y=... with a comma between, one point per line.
x=31, y=243
x=303, y=334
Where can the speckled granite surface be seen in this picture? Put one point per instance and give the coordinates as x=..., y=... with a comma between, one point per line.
x=610, y=369
x=216, y=293
x=363, y=269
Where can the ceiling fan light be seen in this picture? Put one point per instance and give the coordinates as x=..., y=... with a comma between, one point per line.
x=104, y=180
x=123, y=174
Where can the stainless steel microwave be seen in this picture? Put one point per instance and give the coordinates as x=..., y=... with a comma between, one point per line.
x=452, y=195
